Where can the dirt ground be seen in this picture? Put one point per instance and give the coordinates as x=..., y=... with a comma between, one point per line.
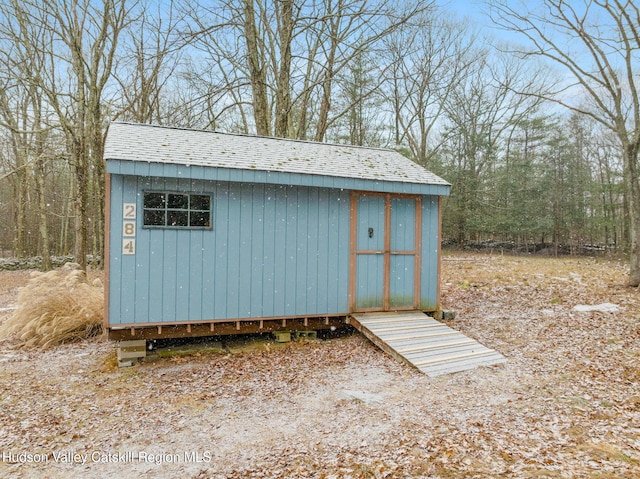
x=565, y=405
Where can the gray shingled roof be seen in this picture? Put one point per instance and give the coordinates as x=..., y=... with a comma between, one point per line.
x=157, y=144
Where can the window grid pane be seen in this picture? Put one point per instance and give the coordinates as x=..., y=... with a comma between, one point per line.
x=177, y=210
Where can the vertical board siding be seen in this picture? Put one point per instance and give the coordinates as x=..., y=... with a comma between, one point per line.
x=300, y=252
x=115, y=256
x=430, y=239
x=337, y=207
x=227, y=247
x=256, y=240
x=291, y=250
x=322, y=248
x=280, y=252
x=272, y=251
x=195, y=283
x=128, y=292
x=313, y=218
x=269, y=223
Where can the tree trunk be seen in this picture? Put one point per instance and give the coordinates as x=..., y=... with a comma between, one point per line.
x=283, y=86
x=39, y=139
x=43, y=227
x=99, y=185
x=633, y=182
x=257, y=72
x=64, y=245
x=20, y=237
x=325, y=104
x=80, y=249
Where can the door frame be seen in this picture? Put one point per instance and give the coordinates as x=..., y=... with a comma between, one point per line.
x=353, y=241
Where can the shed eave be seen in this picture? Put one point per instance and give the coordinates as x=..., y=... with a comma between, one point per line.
x=172, y=170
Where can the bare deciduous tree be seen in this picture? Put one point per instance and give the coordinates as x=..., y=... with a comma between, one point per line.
x=429, y=58
x=479, y=113
x=597, y=43
x=148, y=60
x=76, y=44
x=288, y=54
x=22, y=113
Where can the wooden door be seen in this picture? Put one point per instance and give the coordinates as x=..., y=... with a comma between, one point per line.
x=385, y=252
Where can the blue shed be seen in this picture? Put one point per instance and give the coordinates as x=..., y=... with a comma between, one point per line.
x=211, y=233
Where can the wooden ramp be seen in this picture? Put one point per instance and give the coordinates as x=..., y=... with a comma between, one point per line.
x=423, y=342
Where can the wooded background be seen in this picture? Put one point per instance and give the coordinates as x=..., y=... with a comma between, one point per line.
x=528, y=127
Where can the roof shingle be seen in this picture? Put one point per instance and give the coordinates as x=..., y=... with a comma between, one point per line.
x=158, y=144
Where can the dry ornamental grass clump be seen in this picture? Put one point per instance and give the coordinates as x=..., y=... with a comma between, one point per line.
x=56, y=307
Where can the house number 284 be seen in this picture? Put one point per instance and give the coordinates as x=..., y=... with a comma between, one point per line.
x=129, y=228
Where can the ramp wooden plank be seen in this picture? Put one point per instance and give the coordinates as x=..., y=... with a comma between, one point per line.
x=421, y=348
x=452, y=366
x=420, y=336
x=424, y=343
x=416, y=327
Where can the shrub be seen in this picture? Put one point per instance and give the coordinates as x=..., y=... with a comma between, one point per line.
x=56, y=307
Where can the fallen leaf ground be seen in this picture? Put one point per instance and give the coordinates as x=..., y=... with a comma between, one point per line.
x=566, y=404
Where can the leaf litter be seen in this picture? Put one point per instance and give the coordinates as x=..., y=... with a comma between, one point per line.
x=565, y=405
